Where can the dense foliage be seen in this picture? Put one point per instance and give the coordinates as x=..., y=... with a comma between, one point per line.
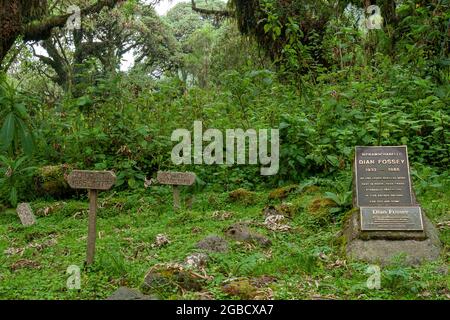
x=109, y=95
x=358, y=91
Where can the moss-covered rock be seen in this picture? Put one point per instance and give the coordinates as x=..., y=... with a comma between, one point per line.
x=170, y=277
x=319, y=208
x=242, y=196
x=249, y=289
x=51, y=181
x=311, y=190
x=281, y=193
x=240, y=288
x=213, y=243
x=124, y=293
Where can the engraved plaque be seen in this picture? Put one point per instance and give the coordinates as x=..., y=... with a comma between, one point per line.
x=96, y=180
x=176, y=178
x=382, y=177
x=391, y=219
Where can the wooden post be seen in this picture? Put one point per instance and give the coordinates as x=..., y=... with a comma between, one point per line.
x=93, y=181
x=176, y=179
x=92, y=228
x=176, y=197
x=190, y=201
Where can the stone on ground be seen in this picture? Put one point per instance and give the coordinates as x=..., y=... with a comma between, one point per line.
x=213, y=243
x=240, y=232
x=384, y=251
x=124, y=293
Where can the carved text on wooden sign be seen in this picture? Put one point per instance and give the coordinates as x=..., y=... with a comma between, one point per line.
x=176, y=178
x=97, y=180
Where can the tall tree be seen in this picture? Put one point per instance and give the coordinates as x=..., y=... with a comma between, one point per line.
x=32, y=20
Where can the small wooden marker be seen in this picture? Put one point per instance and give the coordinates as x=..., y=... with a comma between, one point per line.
x=93, y=181
x=176, y=179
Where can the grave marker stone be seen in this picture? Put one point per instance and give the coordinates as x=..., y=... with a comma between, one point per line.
x=25, y=214
x=93, y=181
x=176, y=179
x=387, y=219
x=383, y=190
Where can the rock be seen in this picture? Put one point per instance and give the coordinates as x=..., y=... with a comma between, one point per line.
x=281, y=193
x=51, y=181
x=124, y=293
x=241, y=288
x=204, y=296
x=196, y=260
x=240, y=232
x=376, y=250
x=213, y=243
x=242, y=196
x=166, y=277
x=250, y=289
x=319, y=209
x=319, y=204
x=262, y=281
x=311, y=189
x=25, y=214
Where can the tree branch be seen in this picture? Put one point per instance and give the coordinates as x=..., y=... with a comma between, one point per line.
x=220, y=13
x=42, y=29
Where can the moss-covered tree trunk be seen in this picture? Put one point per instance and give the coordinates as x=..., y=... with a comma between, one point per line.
x=31, y=19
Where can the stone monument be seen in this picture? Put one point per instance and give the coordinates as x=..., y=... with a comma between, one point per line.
x=387, y=221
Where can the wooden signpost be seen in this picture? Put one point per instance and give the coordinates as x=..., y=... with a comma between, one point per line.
x=176, y=179
x=93, y=181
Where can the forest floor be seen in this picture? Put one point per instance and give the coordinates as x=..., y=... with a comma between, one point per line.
x=305, y=259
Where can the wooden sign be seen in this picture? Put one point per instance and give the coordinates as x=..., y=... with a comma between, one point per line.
x=93, y=181
x=176, y=179
x=98, y=180
x=25, y=214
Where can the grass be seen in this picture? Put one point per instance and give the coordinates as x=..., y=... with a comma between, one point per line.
x=307, y=262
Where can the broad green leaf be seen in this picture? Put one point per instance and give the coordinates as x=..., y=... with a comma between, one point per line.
x=13, y=196
x=7, y=132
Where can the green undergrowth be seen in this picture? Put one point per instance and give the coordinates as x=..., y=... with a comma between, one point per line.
x=306, y=262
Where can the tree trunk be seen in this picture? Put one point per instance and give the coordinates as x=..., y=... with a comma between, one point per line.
x=30, y=19
x=10, y=25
